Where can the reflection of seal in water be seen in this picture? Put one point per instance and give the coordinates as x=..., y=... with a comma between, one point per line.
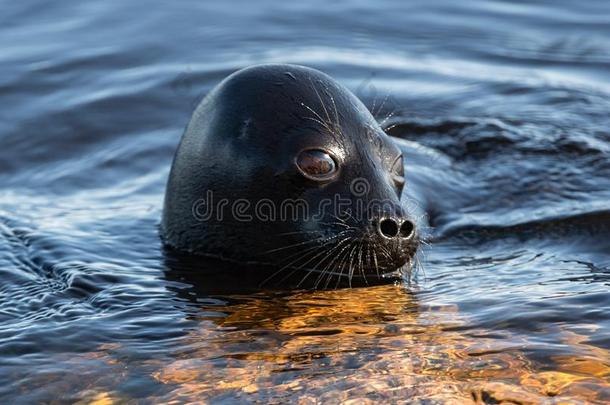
x=281, y=165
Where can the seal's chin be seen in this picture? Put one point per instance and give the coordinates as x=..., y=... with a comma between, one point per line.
x=332, y=279
x=372, y=275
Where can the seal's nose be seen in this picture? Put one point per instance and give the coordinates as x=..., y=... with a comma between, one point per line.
x=396, y=228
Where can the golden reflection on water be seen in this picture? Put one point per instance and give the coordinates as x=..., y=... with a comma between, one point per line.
x=368, y=345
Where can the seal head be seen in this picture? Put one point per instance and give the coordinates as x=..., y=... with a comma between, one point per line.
x=283, y=166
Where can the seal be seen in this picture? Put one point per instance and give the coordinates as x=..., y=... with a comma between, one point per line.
x=282, y=166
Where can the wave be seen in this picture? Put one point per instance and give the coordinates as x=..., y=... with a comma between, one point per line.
x=592, y=223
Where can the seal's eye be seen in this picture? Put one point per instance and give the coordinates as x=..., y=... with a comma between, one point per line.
x=316, y=164
x=398, y=171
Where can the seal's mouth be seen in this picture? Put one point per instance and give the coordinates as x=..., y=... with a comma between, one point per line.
x=352, y=257
x=370, y=276
x=354, y=275
x=333, y=279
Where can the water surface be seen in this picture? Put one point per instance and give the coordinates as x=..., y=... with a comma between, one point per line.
x=504, y=110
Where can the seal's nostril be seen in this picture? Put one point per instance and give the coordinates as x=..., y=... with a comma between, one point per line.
x=388, y=228
x=406, y=229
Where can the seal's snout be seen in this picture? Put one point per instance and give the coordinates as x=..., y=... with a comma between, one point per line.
x=396, y=228
x=396, y=239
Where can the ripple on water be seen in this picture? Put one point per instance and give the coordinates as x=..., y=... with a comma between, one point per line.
x=503, y=112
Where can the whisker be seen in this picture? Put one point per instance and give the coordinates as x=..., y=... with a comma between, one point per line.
x=382, y=104
x=309, y=261
x=338, y=125
x=334, y=223
x=328, y=268
x=360, y=265
x=385, y=252
x=324, y=124
x=390, y=127
x=373, y=106
x=300, y=252
x=319, y=119
x=420, y=266
x=340, y=219
x=376, y=264
x=330, y=252
x=368, y=253
x=330, y=273
x=351, y=266
x=350, y=216
x=301, y=256
x=323, y=242
x=321, y=101
x=387, y=118
x=344, y=262
x=297, y=244
x=298, y=233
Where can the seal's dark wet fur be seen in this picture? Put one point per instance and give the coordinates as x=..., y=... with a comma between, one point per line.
x=241, y=143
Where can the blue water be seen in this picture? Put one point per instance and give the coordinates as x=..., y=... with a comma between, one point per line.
x=504, y=109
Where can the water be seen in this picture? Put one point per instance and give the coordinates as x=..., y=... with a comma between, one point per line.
x=504, y=109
